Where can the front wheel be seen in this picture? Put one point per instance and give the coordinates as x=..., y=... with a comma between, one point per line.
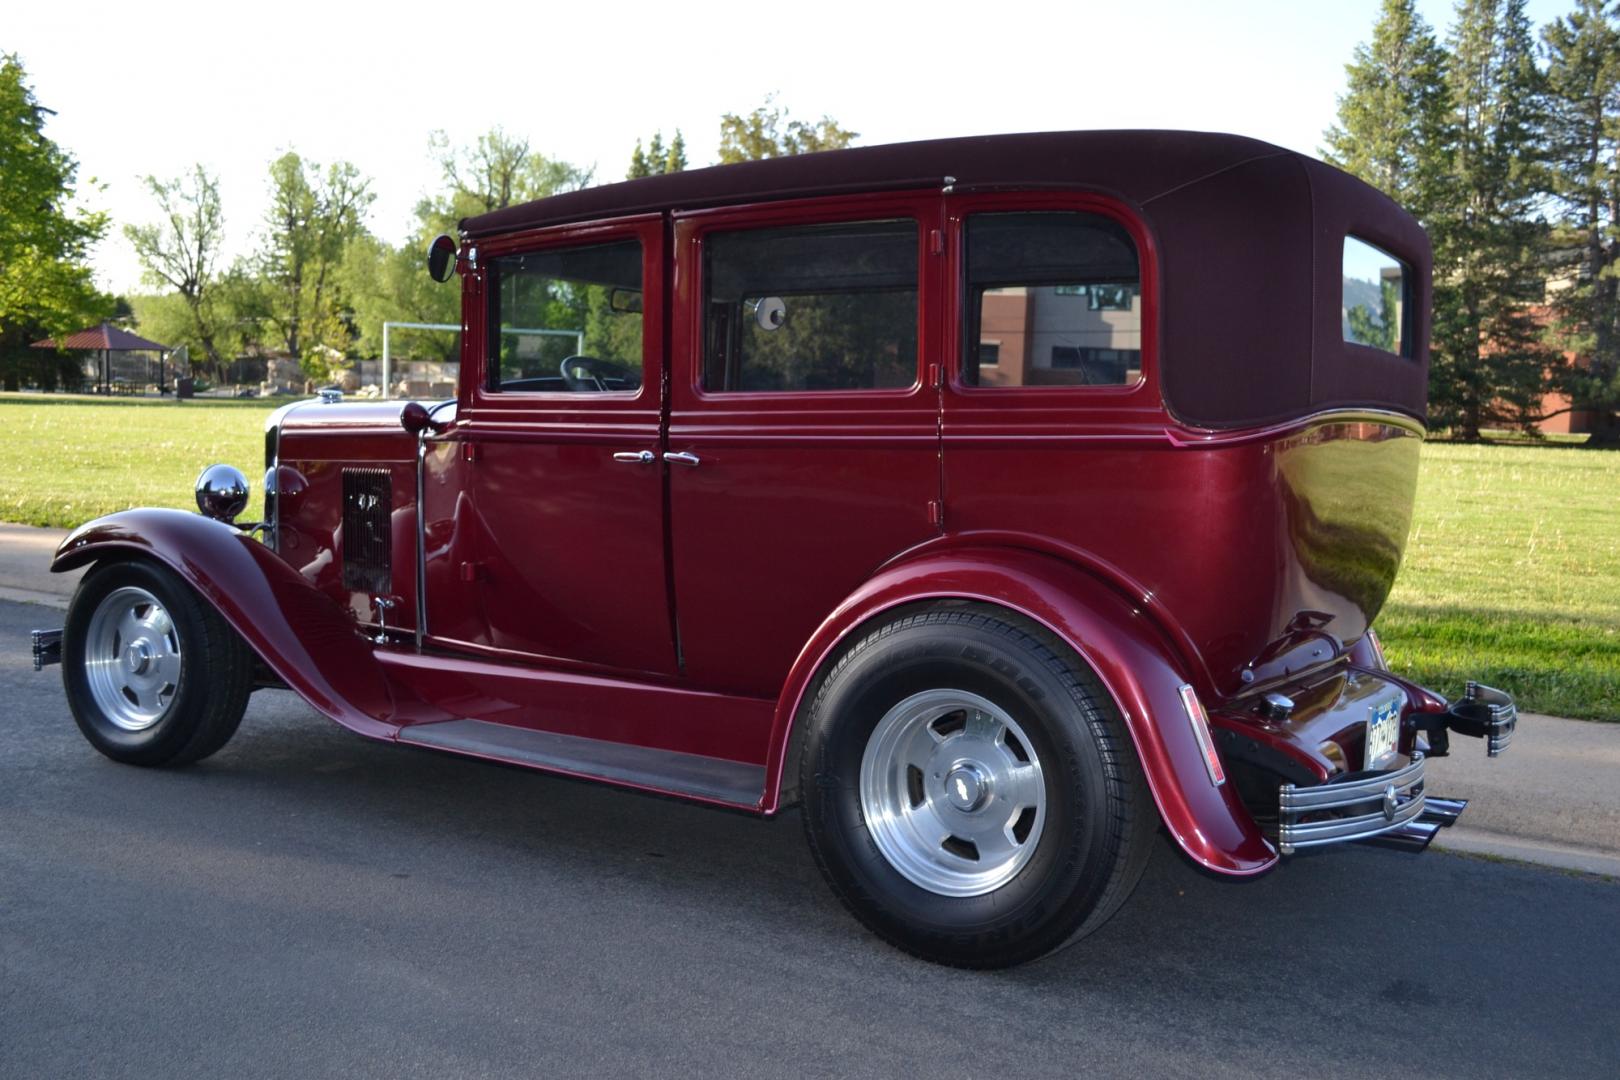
x=153, y=675
x=970, y=791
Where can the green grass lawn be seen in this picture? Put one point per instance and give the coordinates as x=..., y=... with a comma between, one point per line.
x=66, y=459
x=1512, y=577
x=1512, y=574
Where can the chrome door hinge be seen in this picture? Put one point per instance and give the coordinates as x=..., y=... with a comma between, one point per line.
x=936, y=513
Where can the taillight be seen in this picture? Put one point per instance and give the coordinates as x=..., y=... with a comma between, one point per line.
x=1200, y=727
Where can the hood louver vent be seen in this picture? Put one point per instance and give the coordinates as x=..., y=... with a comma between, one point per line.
x=368, y=506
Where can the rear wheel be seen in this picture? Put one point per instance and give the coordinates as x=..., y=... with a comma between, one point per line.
x=970, y=791
x=153, y=675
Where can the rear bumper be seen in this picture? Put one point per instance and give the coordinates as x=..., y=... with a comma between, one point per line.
x=1391, y=805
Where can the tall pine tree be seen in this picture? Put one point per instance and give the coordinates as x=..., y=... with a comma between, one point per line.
x=1488, y=361
x=1393, y=118
x=1583, y=148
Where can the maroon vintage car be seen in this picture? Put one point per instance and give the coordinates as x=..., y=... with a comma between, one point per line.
x=997, y=500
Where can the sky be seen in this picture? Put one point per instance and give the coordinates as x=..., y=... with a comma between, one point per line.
x=150, y=88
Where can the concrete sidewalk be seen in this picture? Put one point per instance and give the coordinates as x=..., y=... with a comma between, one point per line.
x=25, y=566
x=1554, y=798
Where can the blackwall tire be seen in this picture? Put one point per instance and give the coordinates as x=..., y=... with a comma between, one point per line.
x=153, y=675
x=928, y=727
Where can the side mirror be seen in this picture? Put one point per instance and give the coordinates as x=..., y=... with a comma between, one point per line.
x=441, y=257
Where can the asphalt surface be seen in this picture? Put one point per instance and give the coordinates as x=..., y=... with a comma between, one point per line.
x=307, y=903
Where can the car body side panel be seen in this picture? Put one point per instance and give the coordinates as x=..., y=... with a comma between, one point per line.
x=1131, y=657
x=299, y=631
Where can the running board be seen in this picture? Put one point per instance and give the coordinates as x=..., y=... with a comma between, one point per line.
x=670, y=772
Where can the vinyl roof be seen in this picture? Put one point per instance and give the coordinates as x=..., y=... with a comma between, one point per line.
x=1134, y=165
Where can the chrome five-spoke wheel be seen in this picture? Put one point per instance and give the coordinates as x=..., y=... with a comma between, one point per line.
x=154, y=675
x=132, y=658
x=952, y=792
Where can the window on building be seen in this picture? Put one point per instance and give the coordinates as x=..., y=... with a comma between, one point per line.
x=1377, y=294
x=1060, y=295
x=567, y=320
x=989, y=353
x=817, y=307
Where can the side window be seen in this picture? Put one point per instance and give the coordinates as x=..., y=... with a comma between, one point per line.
x=818, y=307
x=567, y=320
x=1052, y=299
x=1376, y=286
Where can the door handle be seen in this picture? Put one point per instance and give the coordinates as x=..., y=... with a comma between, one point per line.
x=681, y=457
x=636, y=457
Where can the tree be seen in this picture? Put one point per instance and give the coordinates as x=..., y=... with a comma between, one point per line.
x=656, y=159
x=388, y=284
x=499, y=170
x=311, y=221
x=183, y=249
x=1582, y=51
x=1393, y=118
x=46, y=288
x=1489, y=363
x=768, y=132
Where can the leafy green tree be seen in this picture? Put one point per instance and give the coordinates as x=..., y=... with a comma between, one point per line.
x=1582, y=51
x=45, y=283
x=1393, y=122
x=657, y=159
x=498, y=170
x=182, y=251
x=313, y=217
x=770, y=132
x=1489, y=363
x=383, y=283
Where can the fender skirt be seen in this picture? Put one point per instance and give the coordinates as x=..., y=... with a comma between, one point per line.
x=1128, y=652
x=298, y=631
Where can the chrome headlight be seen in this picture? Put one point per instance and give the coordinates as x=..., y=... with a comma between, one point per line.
x=222, y=492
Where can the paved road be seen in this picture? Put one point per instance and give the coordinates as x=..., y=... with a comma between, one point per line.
x=310, y=904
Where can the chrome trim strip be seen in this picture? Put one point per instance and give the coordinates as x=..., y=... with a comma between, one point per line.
x=421, y=540
x=1399, y=793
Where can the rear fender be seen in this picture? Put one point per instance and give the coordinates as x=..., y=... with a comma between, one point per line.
x=299, y=632
x=1136, y=665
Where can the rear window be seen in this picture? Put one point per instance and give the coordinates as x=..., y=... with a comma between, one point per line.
x=1053, y=299
x=1377, y=290
x=818, y=307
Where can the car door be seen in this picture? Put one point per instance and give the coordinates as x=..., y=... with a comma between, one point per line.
x=804, y=423
x=545, y=500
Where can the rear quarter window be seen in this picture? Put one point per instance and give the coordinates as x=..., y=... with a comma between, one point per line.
x=1376, y=309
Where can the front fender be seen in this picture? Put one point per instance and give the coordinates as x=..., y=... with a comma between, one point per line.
x=1129, y=654
x=299, y=632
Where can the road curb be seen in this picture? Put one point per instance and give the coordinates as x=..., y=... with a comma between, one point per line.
x=1464, y=840
x=33, y=596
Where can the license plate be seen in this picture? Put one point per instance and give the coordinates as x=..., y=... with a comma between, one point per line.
x=1383, y=731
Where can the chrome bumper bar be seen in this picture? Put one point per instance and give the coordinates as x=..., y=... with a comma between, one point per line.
x=1356, y=808
x=1482, y=712
x=47, y=648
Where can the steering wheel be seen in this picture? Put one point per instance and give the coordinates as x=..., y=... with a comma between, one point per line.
x=587, y=373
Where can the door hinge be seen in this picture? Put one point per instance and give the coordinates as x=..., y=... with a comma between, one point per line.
x=933, y=376
x=936, y=513
x=469, y=451
x=936, y=241
x=472, y=572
